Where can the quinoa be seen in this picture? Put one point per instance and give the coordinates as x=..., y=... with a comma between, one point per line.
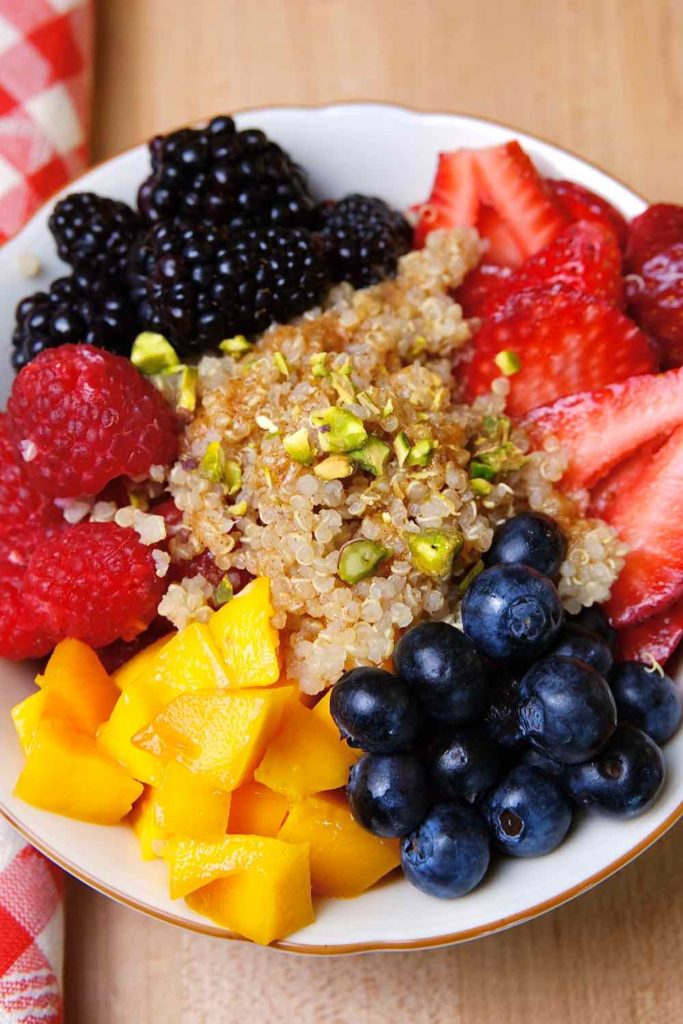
x=384, y=355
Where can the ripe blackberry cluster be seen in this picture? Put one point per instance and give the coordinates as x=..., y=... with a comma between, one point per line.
x=364, y=239
x=199, y=285
x=83, y=307
x=93, y=233
x=219, y=176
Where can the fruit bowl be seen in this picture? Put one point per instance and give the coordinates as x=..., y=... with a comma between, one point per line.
x=345, y=147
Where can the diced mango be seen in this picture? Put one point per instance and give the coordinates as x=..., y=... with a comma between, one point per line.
x=345, y=859
x=305, y=756
x=259, y=888
x=222, y=733
x=256, y=810
x=139, y=663
x=247, y=641
x=143, y=820
x=77, y=688
x=68, y=773
x=26, y=716
x=134, y=709
x=189, y=661
x=186, y=804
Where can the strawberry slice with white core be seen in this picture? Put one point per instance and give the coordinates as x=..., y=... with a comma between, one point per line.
x=622, y=478
x=454, y=200
x=597, y=429
x=646, y=518
x=655, y=638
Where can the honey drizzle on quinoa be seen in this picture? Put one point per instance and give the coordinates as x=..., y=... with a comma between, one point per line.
x=384, y=356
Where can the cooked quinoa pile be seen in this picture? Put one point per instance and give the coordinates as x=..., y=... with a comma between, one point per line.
x=346, y=427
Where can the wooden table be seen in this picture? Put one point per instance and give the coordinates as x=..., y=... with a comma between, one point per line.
x=602, y=77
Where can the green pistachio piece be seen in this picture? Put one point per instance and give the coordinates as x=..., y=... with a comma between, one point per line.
x=339, y=430
x=298, y=447
x=506, y=456
x=220, y=470
x=372, y=457
x=232, y=477
x=470, y=575
x=187, y=394
x=433, y=551
x=318, y=368
x=481, y=488
x=421, y=453
x=238, y=509
x=508, y=362
x=235, y=346
x=335, y=467
x=281, y=364
x=153, y=353
x=223, y=592
x=402, y=447
x=359, y=559
x=480, y=471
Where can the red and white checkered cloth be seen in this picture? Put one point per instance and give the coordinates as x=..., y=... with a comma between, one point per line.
x=45, y=78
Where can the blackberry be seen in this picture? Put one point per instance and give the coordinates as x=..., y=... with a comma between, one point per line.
x=199, y=285
x=93, y=233
x=80, y=308
x=219, y=176
x=364, y=239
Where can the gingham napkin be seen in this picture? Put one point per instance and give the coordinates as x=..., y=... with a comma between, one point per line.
x=45, y=75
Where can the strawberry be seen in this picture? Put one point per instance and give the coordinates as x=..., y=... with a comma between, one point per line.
x=656, y=637
x=499, y=191
x=579, y=203
x=622, y=477
x=651, y=232
x=480, y=288
x=566, y=342
x=598, y=429
x=645, y=517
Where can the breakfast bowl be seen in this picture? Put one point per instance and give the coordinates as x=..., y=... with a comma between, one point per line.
x=390, y=152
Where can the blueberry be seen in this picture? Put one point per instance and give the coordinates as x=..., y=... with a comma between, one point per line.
x=388, y=793
x=463, y=764
x=574, y=642
x=532, y=539
x=374, y=710
x=528, y=812
x=511, y=611
x=647, y=699
x=448, y=854
x=501, y=719
x=594, y=620
x=444, y=670
x=567, y=709
x=624, y=779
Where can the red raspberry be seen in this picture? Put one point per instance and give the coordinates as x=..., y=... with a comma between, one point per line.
x=21, y=636
x=20, y=506
x=91, y=416
x=95, y=582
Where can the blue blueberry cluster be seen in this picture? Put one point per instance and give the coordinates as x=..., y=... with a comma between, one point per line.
x=490, y=737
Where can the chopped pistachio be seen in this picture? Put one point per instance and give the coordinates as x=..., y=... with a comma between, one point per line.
x=363, y=398
x=433, y=551
x=388, y=408
x=318, y=368
x=401, y=447
x=504, y=457
x=213, y=462
x=335, y=467
x=235, y=346
x=298, y=447
x=482, y=488
x=339, y=430
x=480, y=471
x=508, y=362
x=238, y=509
x=138, y=499
x=439, y=396
x=269, y=477
x=418, y=346
x=359, y=559
x=187, y=394
x=232, y=476
x=343, y=386
x=281, y=364
x=470, y=575
x=372, y=456
x=223, y=592
x=265, y=423
x=153, y=353
x=421, y=453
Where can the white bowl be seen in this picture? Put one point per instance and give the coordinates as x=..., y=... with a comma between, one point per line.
x=388, y=151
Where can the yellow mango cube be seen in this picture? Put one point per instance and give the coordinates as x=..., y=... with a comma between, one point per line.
x=305, y=756
x=139, y=663
x=68, y=773
x=77, y=688
x=247, y=641
x=189, y=661
x=26, y=715
x=144, y=823
x=134, y=709
x=256, y=810
x=221, y=734
x=186, y=804
x=259, y=887
x=345, y=859
x=193, y=863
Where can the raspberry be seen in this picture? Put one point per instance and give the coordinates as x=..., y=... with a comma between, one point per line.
x=80, y=417
x=20, y=506
x=95, y=582
x=21, y=636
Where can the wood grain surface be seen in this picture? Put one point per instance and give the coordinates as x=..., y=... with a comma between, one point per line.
x=602, y=77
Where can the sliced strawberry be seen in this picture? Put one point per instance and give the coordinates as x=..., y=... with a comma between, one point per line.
x=598, y=429
x=651, y=232
x=454, y=201
x=656, y=637
x=503, y=248
x=622, y=478
x=655, y=301
x=566, y=343
x=645, y=516
x=581, y=204
x=511, y=184
x=480, y=288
